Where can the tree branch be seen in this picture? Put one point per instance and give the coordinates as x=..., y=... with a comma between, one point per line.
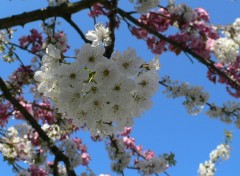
x=112, y=26
x=55, y=166
x=64, y=10
x=30, y=119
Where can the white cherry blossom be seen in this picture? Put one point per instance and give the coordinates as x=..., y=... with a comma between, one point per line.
x=89, y=56
x=99, y=35
x=128, y=63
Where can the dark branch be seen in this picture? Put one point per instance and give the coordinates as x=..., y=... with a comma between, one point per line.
x=55, y=167
x=64, y=10
x=112, y=26
x=30, y=119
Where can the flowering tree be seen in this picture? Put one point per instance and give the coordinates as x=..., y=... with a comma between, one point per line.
x=101, y=90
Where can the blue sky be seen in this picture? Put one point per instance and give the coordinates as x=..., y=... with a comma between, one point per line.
x=166, y=127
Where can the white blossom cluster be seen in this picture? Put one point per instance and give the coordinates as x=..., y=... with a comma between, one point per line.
x=228, y=113
x=154, y=165
x=3, y=37
x=143, y=6
x=53, y=3
x=100, y=94
x=195, y=97
x=119, y=157
x=222, y=151
x=226, y=50
x=208, y=167
x=233, y=31
x=16, y=145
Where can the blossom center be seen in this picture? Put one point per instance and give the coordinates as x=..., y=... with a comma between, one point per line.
x=125, y=65
x=91, y=59
x=117, y=88
x=143, y=83
x=72, y=76
x=106, y=72
x=94, y=89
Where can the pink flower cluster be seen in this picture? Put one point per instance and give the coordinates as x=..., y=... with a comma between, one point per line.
x=122, y=150
x=136, y=149
x=84, y=154
x=35, y=170
x=34, y=138
x=22, y=76
x=233, y=70
x=96, y=10
x=41, y=110
x=195, y=33
x=60, y=39
x=5, y=113
x=99, y=9
x=35, y=39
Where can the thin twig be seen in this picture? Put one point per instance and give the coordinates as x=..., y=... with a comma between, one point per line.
x=75, y=26
x=16, y=56
x=94, y=18
x=25, y=49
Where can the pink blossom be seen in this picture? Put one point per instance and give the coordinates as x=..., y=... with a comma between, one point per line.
x=35, y=38
x=4, y=114
x=85, y=159
x=27, y=106
x=96, y=10
x=37, y=171
x=129, y=142
x=149, y=154
x=127, y=131
x=157, y=20
x=34, y=138
x=202, y=14
x=23, y=75
x=139, y=32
